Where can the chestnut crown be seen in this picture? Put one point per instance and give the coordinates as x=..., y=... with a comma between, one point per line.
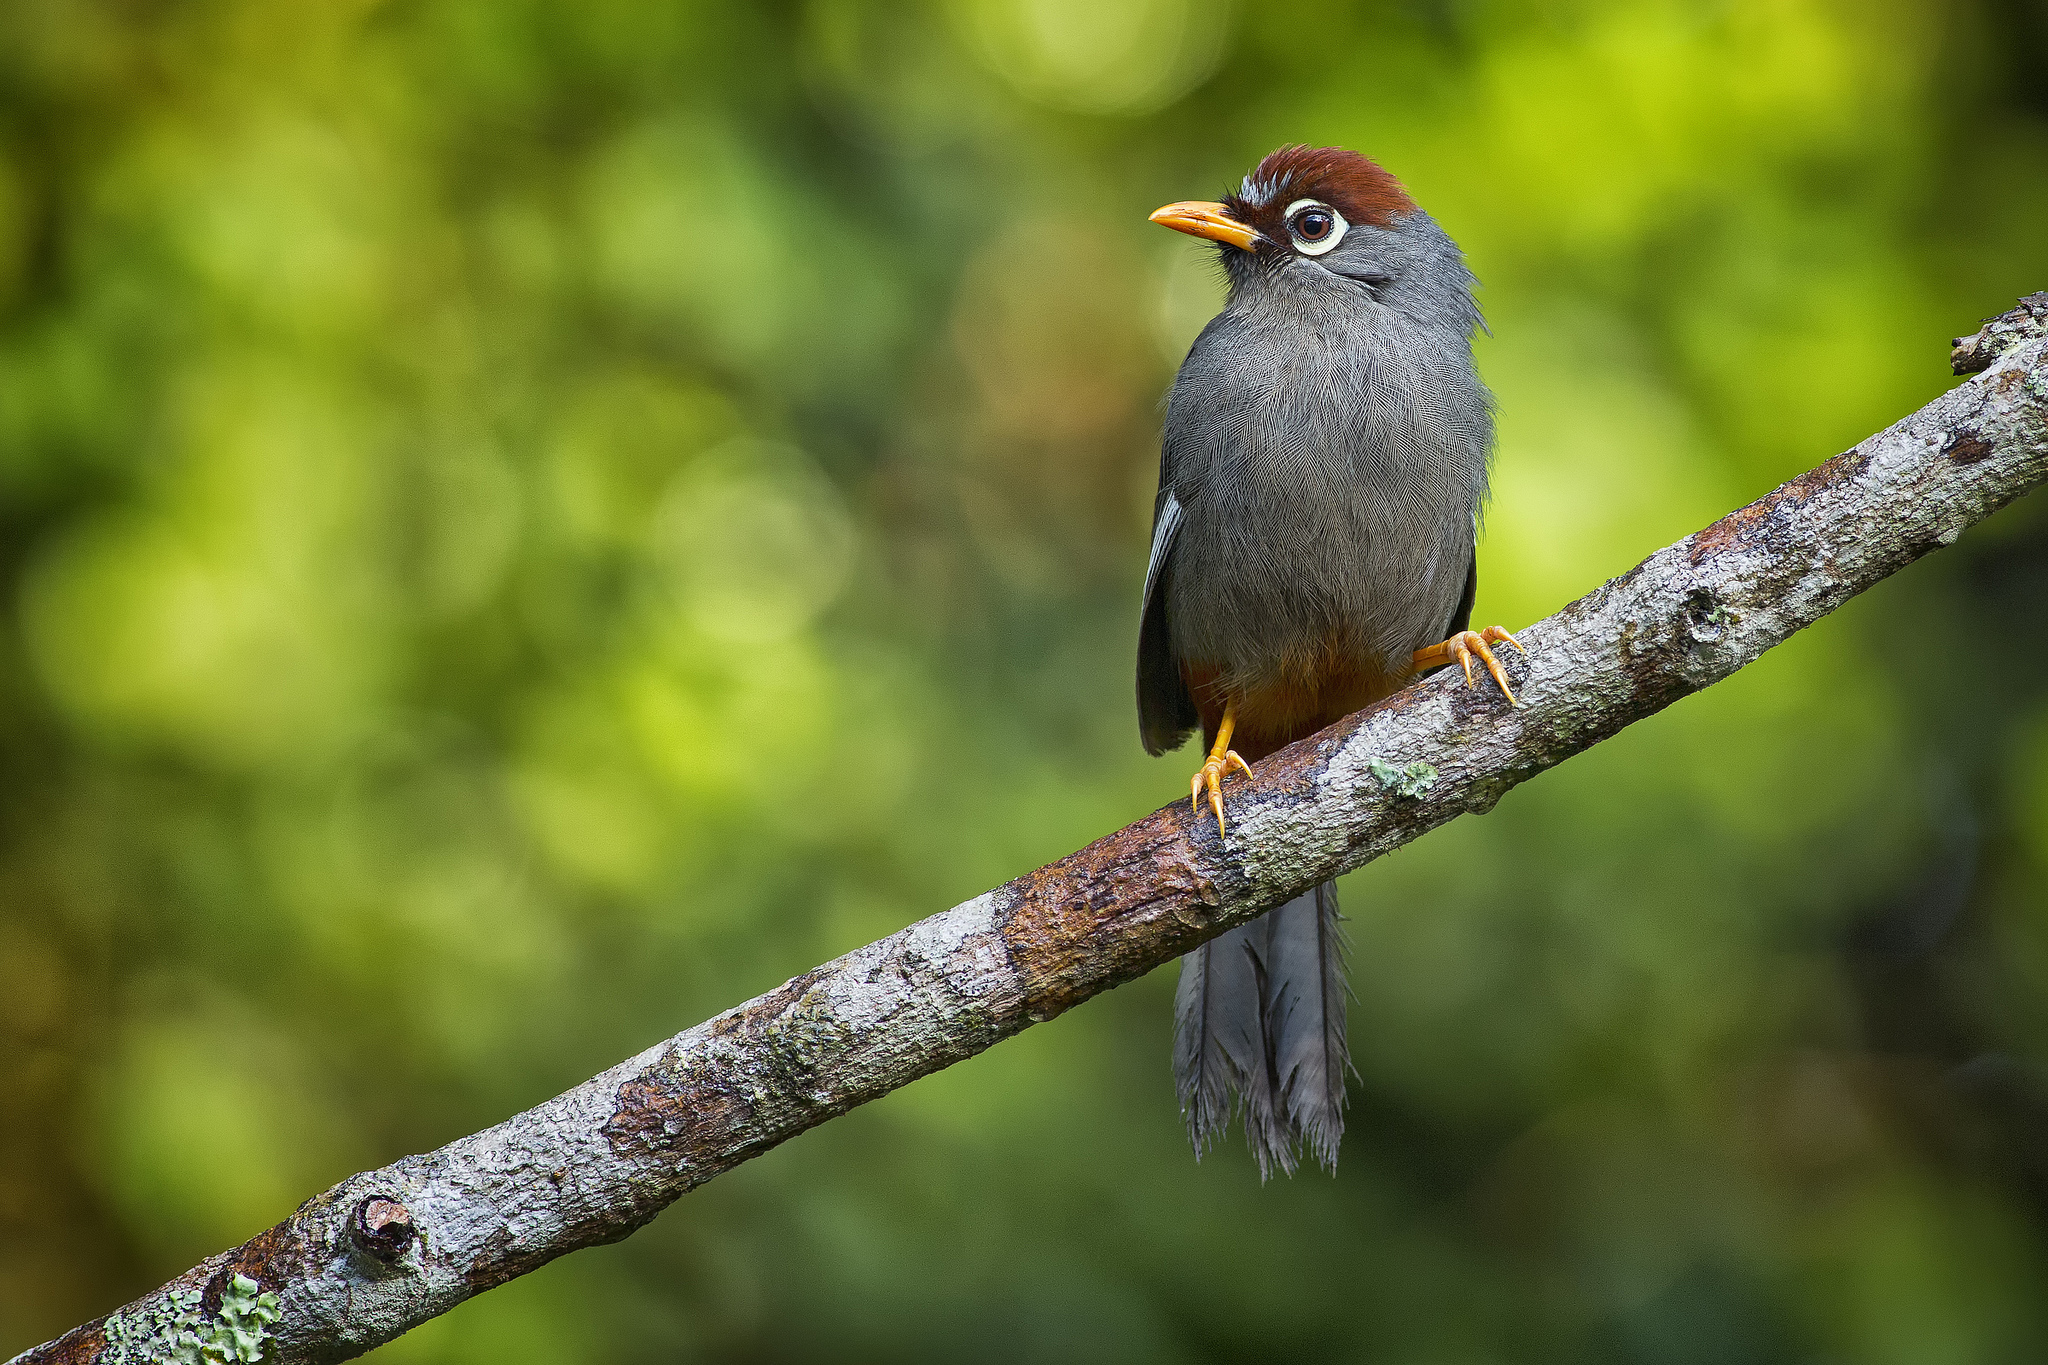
x=1280, y=195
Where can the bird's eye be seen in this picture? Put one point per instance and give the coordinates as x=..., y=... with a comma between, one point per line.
x=1315, y=226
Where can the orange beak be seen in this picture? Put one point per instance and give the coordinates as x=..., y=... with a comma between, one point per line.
x=1200, y=218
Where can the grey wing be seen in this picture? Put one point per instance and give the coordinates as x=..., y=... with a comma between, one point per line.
x=1200, y=431
x=1461, y=619
x=1165, y=710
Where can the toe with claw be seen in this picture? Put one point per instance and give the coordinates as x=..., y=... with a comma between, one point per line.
x=1460, y=649
x=1222, y=758
x=1211, y=775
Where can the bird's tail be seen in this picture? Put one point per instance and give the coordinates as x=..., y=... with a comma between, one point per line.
x=1259, y=1016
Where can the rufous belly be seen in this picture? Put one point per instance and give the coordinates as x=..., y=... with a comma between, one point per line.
x=1291, y=701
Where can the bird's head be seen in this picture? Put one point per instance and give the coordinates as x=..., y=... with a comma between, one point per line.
x=1321, y=210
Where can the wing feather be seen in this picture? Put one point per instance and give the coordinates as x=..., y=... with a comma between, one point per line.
x=1165, y=710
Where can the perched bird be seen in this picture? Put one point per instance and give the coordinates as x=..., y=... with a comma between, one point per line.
x=1320, y=482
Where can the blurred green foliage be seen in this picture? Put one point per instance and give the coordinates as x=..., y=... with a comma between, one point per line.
x=525, y=524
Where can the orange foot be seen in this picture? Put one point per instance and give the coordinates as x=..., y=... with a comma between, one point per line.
x=1462, y=646
x=1212, y=773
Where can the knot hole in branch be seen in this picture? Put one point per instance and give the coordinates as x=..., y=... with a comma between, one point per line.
x=1707, y=617
x=383, y=1227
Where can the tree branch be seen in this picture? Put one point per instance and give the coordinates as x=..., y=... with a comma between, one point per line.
x=383, y=1251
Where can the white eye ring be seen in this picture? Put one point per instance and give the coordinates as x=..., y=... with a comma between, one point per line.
x=1321, y=244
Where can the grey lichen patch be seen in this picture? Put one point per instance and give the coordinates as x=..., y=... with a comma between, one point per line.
x=804, y=1039
x=174, y=1331
x=1411, y=781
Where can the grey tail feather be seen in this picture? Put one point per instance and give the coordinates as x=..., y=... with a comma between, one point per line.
x=1259, y=1015
x=1305, y=1013
x=1217, y=1035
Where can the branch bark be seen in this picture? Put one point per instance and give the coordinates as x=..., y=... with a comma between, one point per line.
x=388, y=1249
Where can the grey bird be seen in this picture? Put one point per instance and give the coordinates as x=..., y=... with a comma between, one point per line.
x=1320, y=483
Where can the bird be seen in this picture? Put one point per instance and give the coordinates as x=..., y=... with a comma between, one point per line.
x=1322, y=471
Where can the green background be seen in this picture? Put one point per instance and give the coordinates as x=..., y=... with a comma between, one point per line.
x=523, y=525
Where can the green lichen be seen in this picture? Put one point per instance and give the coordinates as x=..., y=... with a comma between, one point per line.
x=1411, y=781
x=173, y=1331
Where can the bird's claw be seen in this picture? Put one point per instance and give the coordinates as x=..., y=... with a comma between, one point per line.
x=1211, y=775
x=1461, y=647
